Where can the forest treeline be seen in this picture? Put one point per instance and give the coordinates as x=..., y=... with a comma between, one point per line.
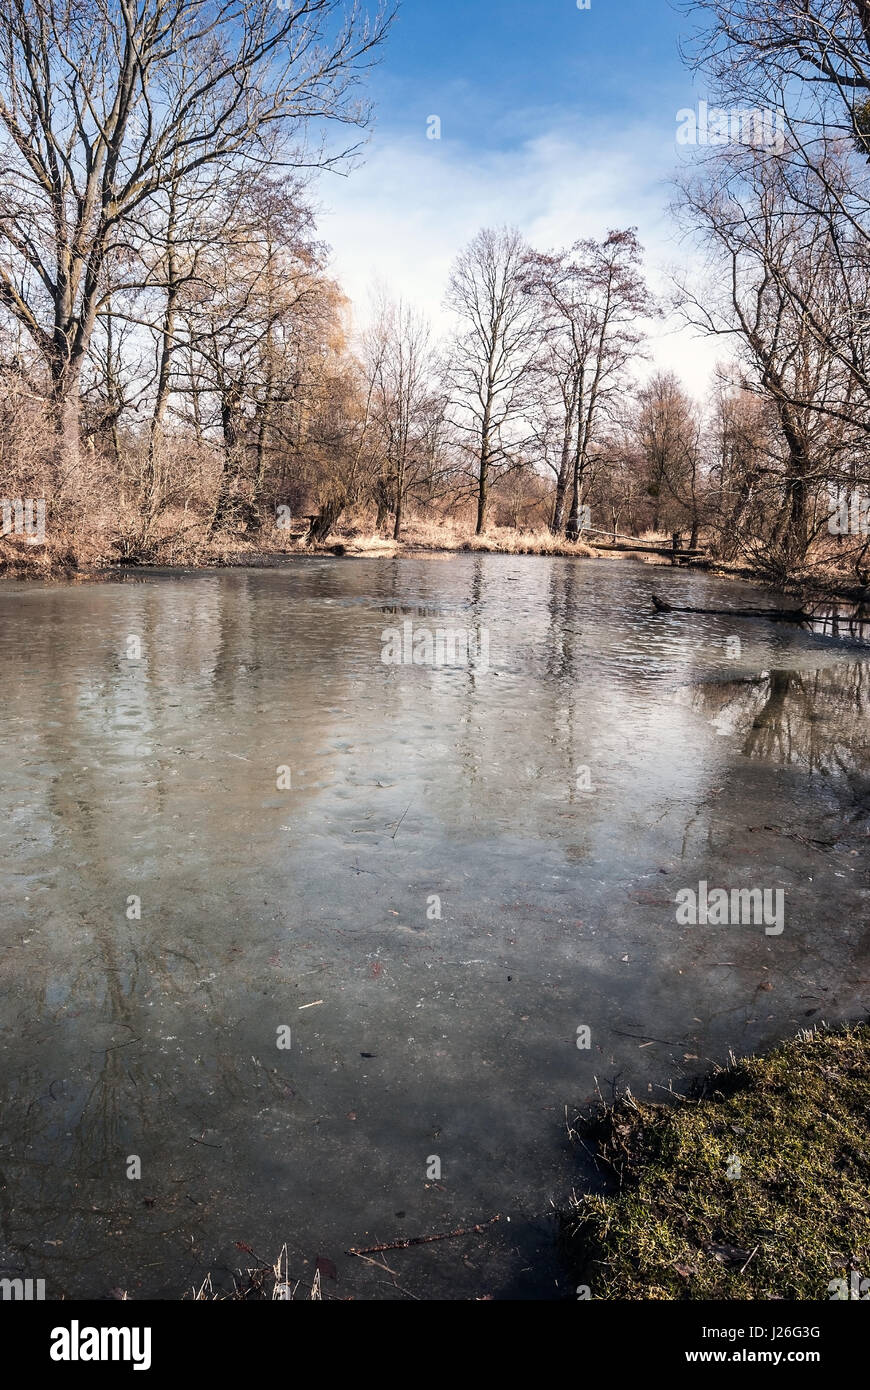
x=178, y=368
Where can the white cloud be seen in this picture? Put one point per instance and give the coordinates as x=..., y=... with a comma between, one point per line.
x=402, y=217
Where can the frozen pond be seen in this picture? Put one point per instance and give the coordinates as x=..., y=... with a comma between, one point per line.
x=549, y=800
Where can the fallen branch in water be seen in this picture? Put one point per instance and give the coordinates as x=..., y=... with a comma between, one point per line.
x=774, y=615
x=423, y=1240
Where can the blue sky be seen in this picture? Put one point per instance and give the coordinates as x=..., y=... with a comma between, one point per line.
x=559, y=120
x=498, y=67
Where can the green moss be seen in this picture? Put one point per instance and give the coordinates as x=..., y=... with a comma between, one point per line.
x=798, y=1216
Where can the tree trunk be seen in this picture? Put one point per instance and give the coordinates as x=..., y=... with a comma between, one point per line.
x=262, y=436
x=482, y=493
x=483, y=478
x=732, y=531
x=227, y=507
x=561, y=489
x=572, y=529
x=151, y=489
x=401, y=476
x=66, y=410
x=797, y=526
x=384, y=502
x=325, y=521
x=584, y=423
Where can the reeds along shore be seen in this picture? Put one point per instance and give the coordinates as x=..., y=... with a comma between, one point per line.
x=92, y=547
x=69, y=552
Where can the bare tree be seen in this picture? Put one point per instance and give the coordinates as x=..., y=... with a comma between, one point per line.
x=757, y=48
x=399, y=363
x=743, y=453
x=669, y=437
x=762, y=244
x=104, y=102
x=591, y=299
x=810, y=61
x=491, y=356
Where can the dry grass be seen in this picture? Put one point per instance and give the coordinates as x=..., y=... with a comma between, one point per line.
x=98, y=538
x=501, y=541
x=62, y=556
x=449, y=535
x=262, y=1283
x=85, y=539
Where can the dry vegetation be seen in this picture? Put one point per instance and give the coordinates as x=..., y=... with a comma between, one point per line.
x=264, y=1282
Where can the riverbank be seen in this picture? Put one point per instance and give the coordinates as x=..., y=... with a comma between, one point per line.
x=79, y=556
x=757, y=1187
x=73, y=556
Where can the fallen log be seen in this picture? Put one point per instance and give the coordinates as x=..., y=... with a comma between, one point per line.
x=646, y=548
x=773, y=615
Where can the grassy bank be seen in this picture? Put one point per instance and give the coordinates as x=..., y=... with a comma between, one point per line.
x=177, y=540
x=794, y=1125
x=446, y=536
x=73, y=553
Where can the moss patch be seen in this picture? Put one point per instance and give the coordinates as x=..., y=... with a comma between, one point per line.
x=795, y=1125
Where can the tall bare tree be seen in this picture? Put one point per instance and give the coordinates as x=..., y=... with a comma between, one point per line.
x=491, y=357
x=399, y=362
x=668, y=432
x=592, y=300
x=104, y=102
x=763, y=245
